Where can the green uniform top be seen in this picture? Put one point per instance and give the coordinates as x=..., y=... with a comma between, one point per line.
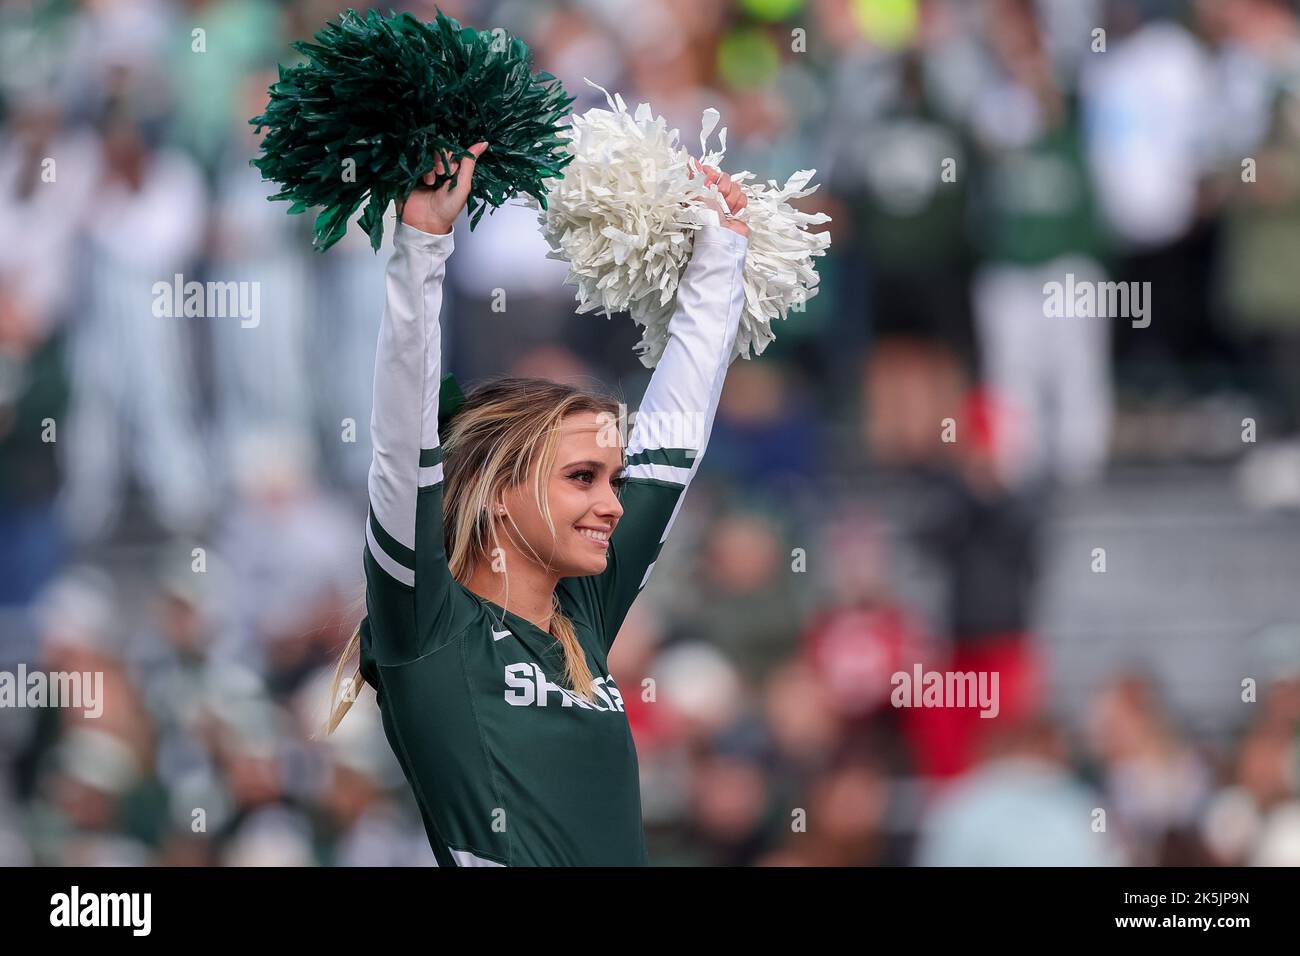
x=508, y=766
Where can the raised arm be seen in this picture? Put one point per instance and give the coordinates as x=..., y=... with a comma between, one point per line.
x=676, y=415
x=408, y=582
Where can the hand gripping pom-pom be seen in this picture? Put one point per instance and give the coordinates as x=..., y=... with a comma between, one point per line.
x=625, y=213
x=379, y=99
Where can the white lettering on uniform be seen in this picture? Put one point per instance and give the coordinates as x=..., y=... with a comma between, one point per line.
x=600, y=692
x=544, y=688
x=519, y=677
x=528, y=686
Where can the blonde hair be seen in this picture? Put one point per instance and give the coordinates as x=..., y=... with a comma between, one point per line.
x=506, y=433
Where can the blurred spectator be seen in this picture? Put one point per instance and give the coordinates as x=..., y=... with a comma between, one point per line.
x=1036, y=224
x=358, y=824
x=764, y=436
x=749, y=601
x=910, y=215
x=78, y=619
x=508, y=295
x=216, y=45
x=260, y=365
x=134, y=405
x=1019, y=807
x=864, y=634
x=986, y=539
x=1244, y=823
x=1148, y=139
x=732, y=806
x=910, y=390
x=343, y=331
x=48, y=171
x=1155, y=785
x=292, y=548
x=46, y=175
x=1150, y=145
x=90, y=787
x=846, y=818
x=1260, y=58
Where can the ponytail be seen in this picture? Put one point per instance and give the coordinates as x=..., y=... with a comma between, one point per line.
x=340, y=707
x=576, y=672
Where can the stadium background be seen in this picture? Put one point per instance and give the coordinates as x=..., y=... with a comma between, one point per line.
x=771, y=739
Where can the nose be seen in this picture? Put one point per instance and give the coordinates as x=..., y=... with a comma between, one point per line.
x=609, y=507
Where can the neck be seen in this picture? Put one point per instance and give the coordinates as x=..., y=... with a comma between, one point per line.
x=530, y=588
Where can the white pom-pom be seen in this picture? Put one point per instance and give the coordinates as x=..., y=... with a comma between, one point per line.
x=779, y=271
x=625, y=213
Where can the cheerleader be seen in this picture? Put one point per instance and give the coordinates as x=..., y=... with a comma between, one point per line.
x=509, y=533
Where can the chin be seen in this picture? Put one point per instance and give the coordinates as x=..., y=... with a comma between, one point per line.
x=584, y=565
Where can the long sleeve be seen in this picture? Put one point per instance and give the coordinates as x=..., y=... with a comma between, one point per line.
x=672, y=426
x=408, y=582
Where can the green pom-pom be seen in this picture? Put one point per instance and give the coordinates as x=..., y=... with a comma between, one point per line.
x=379, y=99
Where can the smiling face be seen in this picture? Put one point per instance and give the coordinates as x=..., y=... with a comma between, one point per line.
x=582, y=493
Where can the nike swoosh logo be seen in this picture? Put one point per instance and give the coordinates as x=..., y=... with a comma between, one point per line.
x=497, y=635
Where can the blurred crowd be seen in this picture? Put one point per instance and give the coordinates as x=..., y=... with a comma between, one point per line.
x=181, y=499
